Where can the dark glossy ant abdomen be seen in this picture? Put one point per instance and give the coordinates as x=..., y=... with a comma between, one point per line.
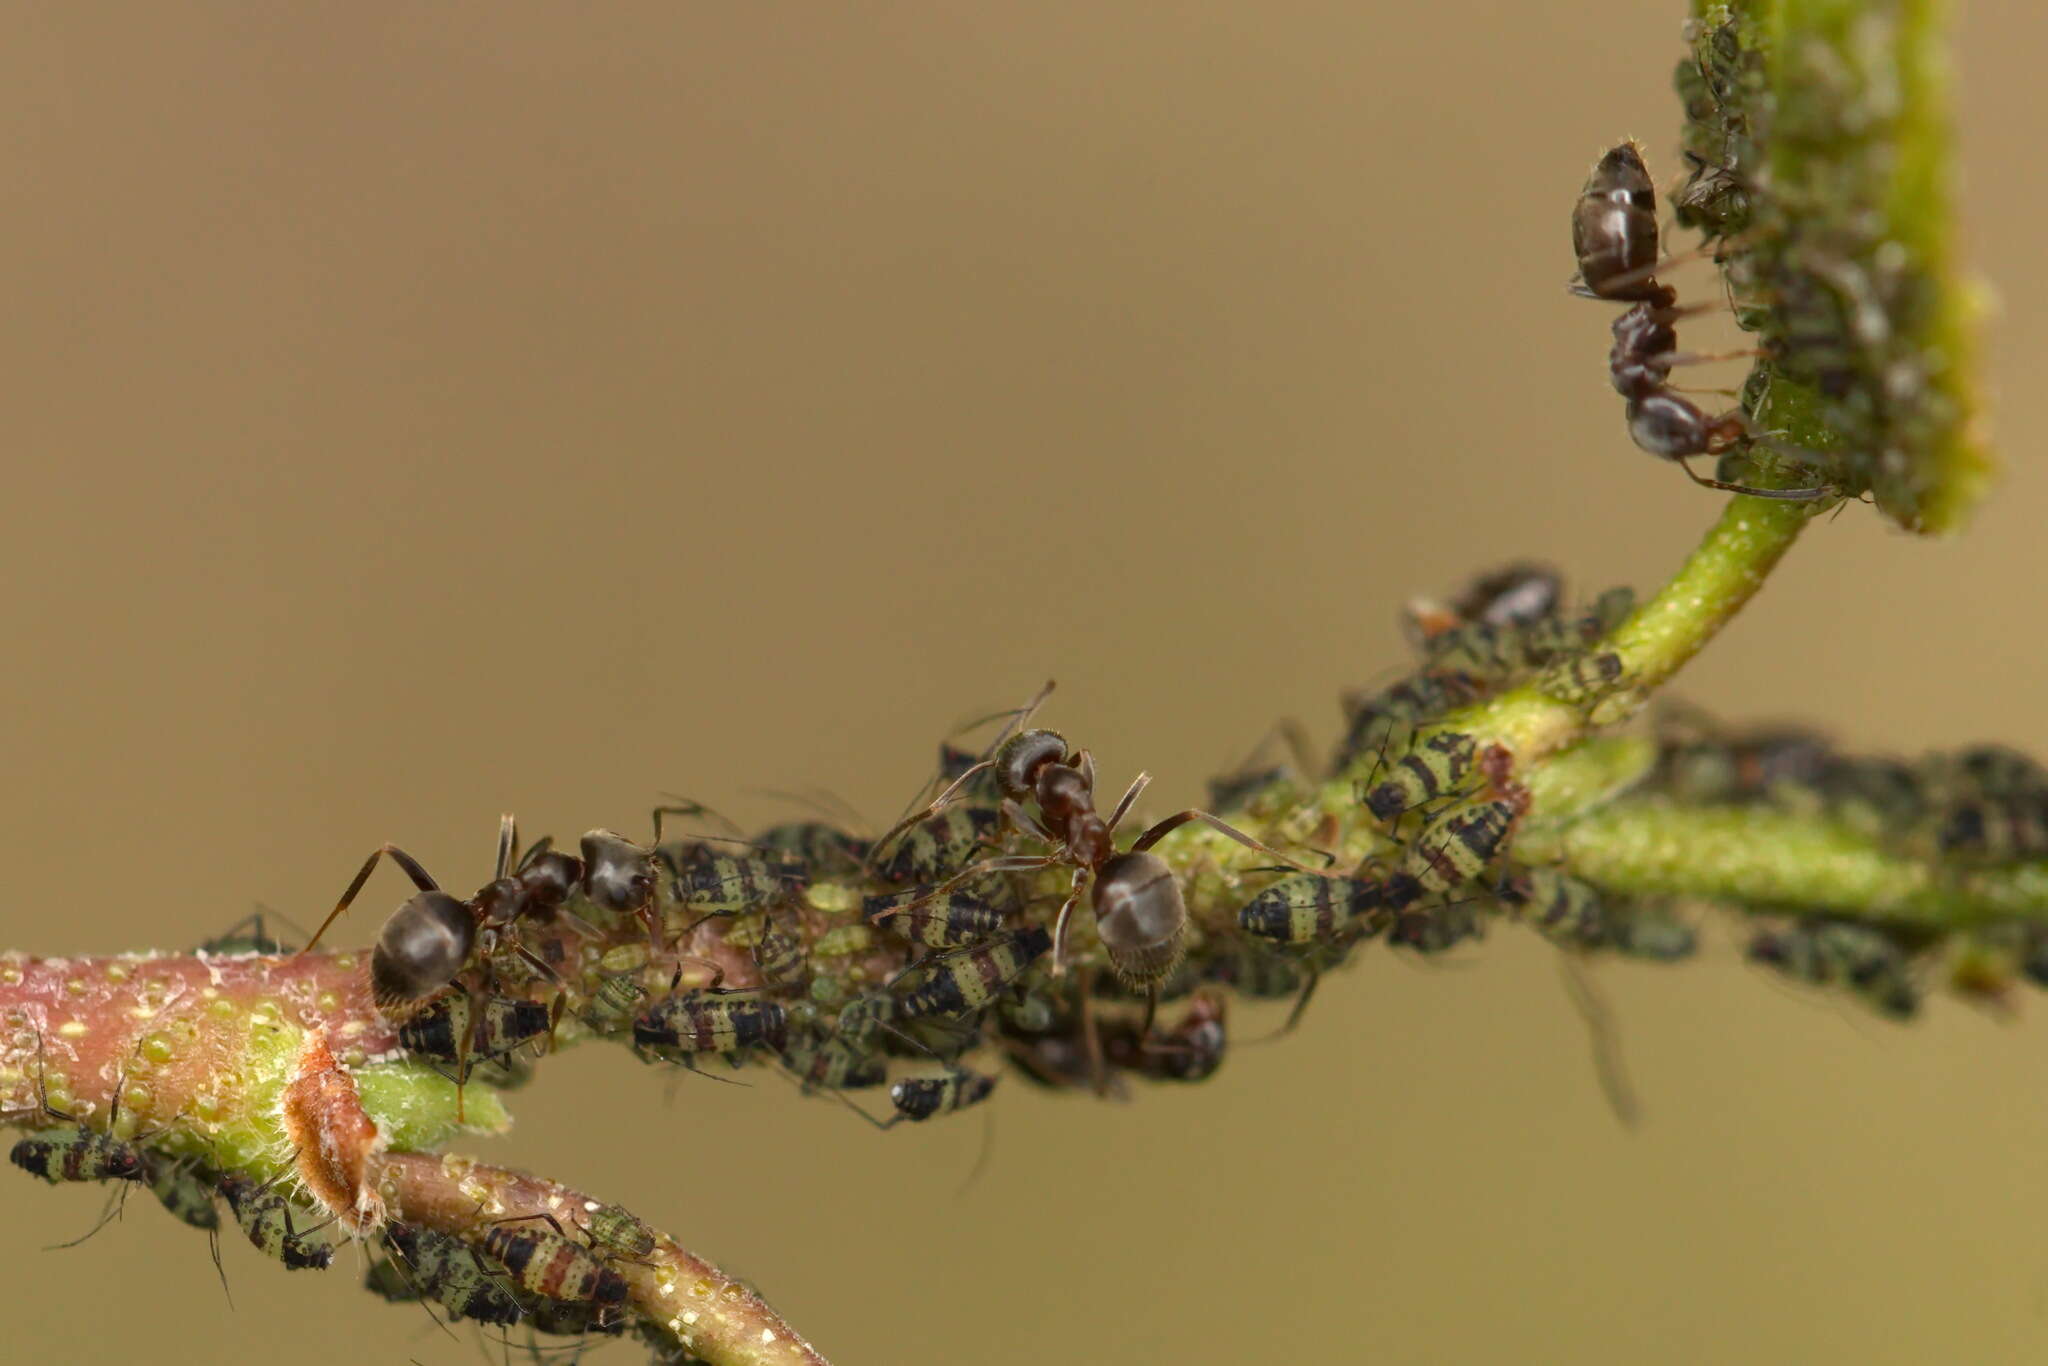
x=1140, y=916
x=420, y=949
x=1614, y=230
x=1669, y=425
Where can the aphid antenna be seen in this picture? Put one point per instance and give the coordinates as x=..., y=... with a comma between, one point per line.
x=821, y=801
x=1603, y=1033
x=678, y=805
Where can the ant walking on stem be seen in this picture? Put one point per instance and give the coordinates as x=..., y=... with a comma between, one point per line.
x=1615, y=238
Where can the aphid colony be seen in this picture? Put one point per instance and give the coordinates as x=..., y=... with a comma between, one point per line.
x=1966, y=813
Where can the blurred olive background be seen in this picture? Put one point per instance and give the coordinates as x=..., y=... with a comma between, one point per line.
x=418, y=412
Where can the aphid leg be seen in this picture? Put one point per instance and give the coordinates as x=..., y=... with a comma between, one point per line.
x=1091, y=1035
x=398, y=856
x=1782, y=495
x=1605, y=1037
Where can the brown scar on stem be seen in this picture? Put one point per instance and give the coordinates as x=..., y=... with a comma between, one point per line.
x=680, y=1296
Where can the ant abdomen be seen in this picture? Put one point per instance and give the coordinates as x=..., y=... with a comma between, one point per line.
x=1614, y=230
x=1140, y=916
x=1668, y=425
x=420, y=950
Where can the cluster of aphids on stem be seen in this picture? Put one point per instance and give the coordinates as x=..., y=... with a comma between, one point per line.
x=1967, y=813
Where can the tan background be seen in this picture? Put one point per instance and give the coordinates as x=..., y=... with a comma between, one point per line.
x=418, y=412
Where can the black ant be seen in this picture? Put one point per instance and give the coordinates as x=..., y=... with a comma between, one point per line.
x=1615, y=238
x=1140, y=914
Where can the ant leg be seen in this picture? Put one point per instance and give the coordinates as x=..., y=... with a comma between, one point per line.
x=1091, y=1037
x=1783, y=495
x=404, y=860
x=686, y=806
x=1123, y=806
x=1027, y=822
x=1060, y=923
x=1180, y=818
x=1151, y=1013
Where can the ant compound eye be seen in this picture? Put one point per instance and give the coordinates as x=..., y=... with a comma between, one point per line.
x=420, y=949
x=1022, y=755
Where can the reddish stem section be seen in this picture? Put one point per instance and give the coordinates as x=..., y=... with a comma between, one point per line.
x=707, y=1312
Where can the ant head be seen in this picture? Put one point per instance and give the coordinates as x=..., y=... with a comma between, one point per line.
x=420, y=949
x=549, y=877
x=618, y=875
x=1021, y=757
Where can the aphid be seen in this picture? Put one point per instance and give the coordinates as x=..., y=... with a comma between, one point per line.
x=448, y=1271
x=923, y=915
x=917, y=1099
x=863, y=1015
x=1313, y=909
x=1437, y=766
x=1453, y=849
x=1995, y=771
x=713, y=882
x=1583, y=677
x=1878, y=798
x=938, y=845
x=1437, y=929
x=1615, y=238
x=1140, y=916
x=1557, y=905
x=572, y=1318
x=1191, y=1049
x=78, y=1153
x=249, y=935
x=1869, y=962
x=1409, y=704
x=966, y=981
x=1995, y=830
x=547, y=1262
x=614, y=1004
x=183, y=1188
x=429, y=941
x=712, y=1019
x=469, y=1030
x=836, y=1064
x=616, y=1230
x=1742, y=766
x=1649, y=930
x=266, y=1216
x=825, y=850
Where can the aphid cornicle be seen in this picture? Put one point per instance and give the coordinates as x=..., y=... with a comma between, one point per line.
x=546, y=1262
x=447, y=1271
x=266, y=1215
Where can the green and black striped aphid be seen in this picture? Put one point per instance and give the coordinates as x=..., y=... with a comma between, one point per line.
x=572, y=1318
x=616, y=1231
x=445, y=1270
x=938, y=845
x=182, y=1186
x=1456, y=846
x=711, y=1019
x=616, y=998
x=1870, y=963
x=836, y=1064
x=704, y=880
x=549, y=1263
x=266, y=1215
x=1407, y=705
x=1582, y=679
x=1316, y=918
x=1555, y=904
x=1439, y=765
x=1699, y=763
x=469, y=1030
x=79, y=1153
x=825, y=850
x=967, y=981
x=917, y=1099
x=938, y=920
